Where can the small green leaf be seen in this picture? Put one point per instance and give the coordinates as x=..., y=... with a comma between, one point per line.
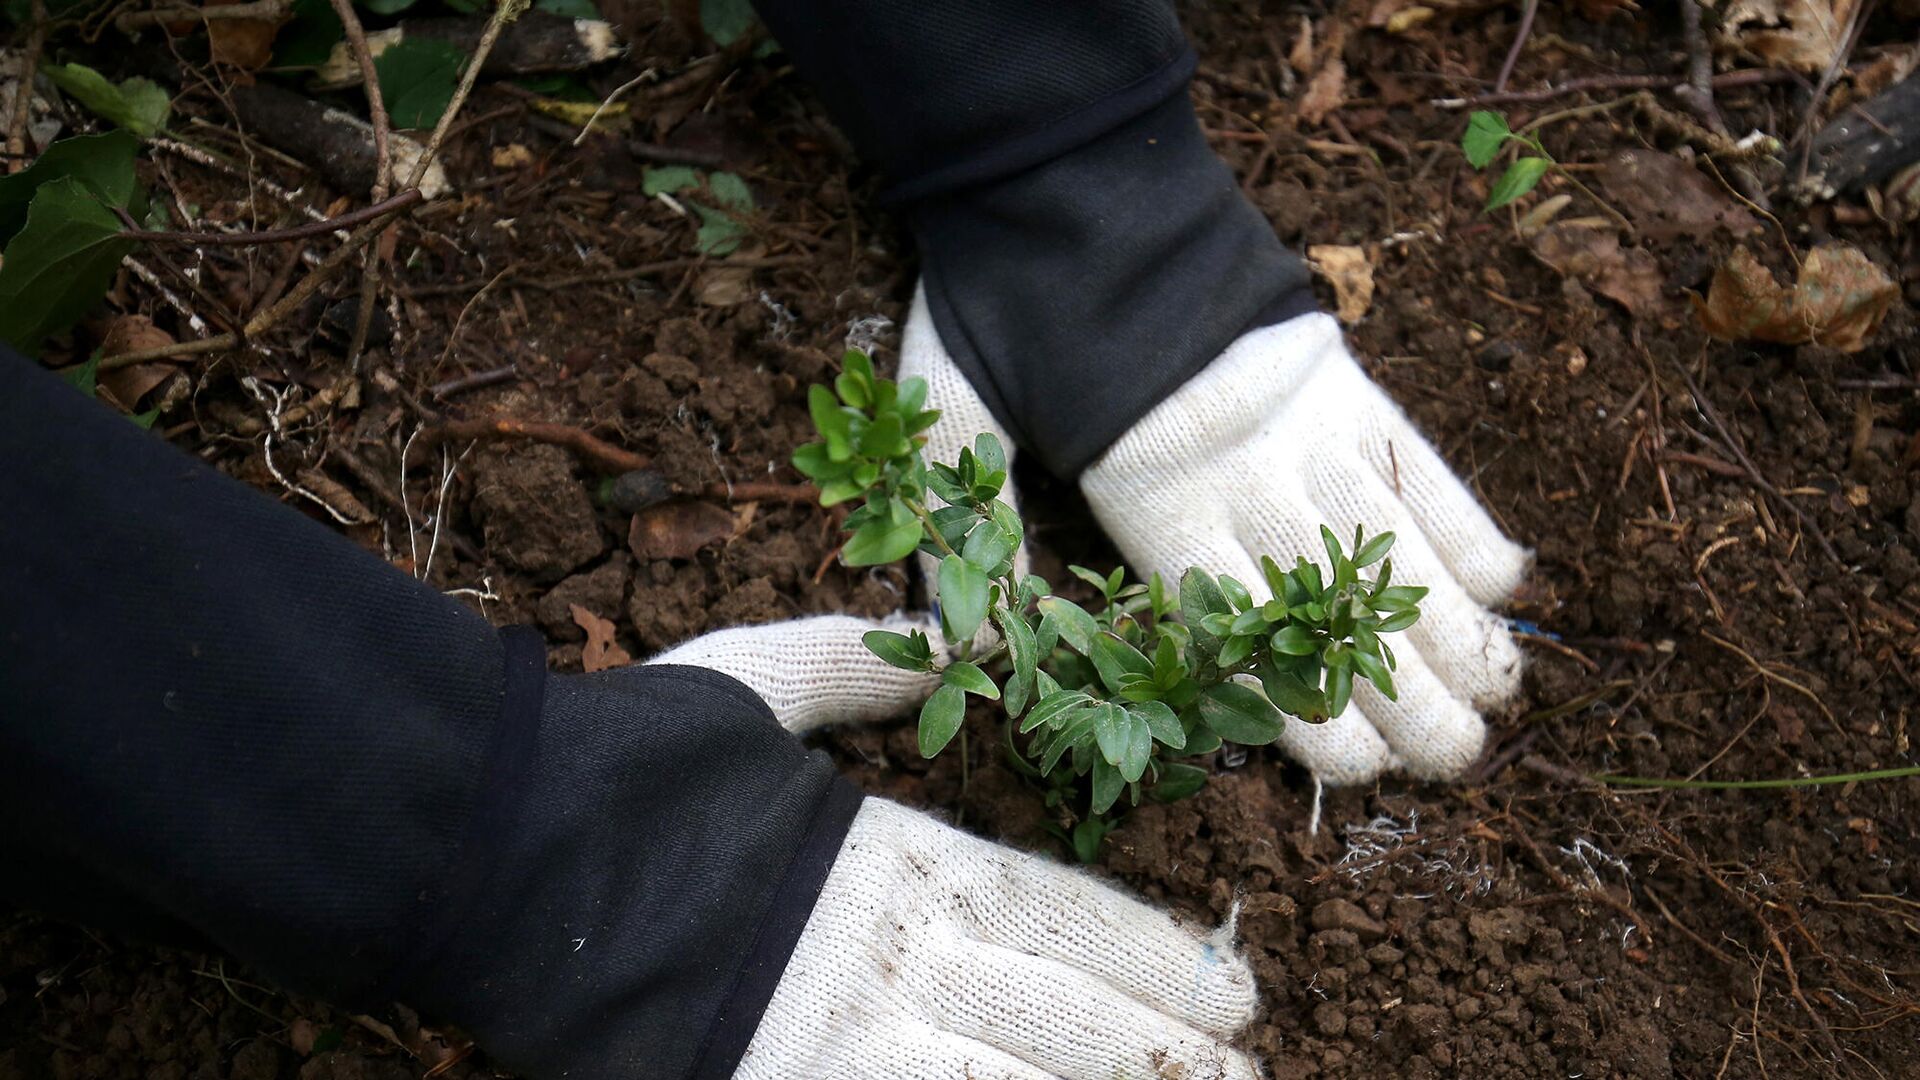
x=1024, y=655
x=1486, y=131
x=968, y=677
x=84, y=377
x=59, y=265
x=1200, y=596
x=963, y=598
x=1133, y=763
x=1074, y=625
x=1397, y=598
x=1111, y=726
x=1339, y=688
x=1087, y=837
x=940, y=719
x=720, y=233
x=910, y=653
x=1107, y=784
x=1161, y=723
x=137, y=104
x=1376, y=673
x=881, y=542
x=1236, y=593
x=1374, y=550
x=104, y=163
x=1178, y=780
x=1520, y=178
x=1113, y=658
x=417, y=79
x=732, y=192
x=1240, y=714
x=668, y=179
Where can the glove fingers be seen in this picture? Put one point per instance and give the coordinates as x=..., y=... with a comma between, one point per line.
x=1487, y=564
x=1344, y=750
x=1068, y=1022
x=920, y=1050
x=1466, y=646
x=1029, y=904
x=1433, y=734
x=816, y=671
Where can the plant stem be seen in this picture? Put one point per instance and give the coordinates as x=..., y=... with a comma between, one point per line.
x=1750, y=785
x=926, y=522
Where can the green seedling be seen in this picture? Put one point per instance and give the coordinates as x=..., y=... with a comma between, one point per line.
x=1124, y=697
x=1487, y=134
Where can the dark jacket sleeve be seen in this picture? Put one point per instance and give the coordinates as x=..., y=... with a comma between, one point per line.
x=221, y=722
x=1083, y=249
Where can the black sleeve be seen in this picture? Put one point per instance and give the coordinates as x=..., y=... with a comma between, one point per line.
x=1083, y=249
x=222, y=722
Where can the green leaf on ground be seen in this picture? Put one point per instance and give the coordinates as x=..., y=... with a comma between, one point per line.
x=59, y=265
x=1520, y=178
x=1486, y=131
x=417, y=80
x=104, y=163
x=139, y=105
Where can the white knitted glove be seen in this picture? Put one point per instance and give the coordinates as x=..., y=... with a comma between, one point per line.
x=933, y=955
x=816, y=671
x=1281, y=434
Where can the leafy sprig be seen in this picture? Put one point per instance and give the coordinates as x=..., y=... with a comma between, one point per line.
x=1124, y=696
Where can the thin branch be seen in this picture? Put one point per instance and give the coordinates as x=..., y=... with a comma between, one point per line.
x=1748, y=77
x=23, y=91
x=308, y=231
x=504, y=13
x=1519, y=44
x=610, y=99
x=597, y=452
x=264, y=10
x=382, y=169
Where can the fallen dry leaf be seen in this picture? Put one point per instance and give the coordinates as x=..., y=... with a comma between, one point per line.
x=1350, y=273
x=1628, y=276
x=1800, y=34
x=1667, y=198
x=678, y=528
x=512, y=156
x=243, y=43
x=601, y=652
x=1325, y=91
x=1838, y=301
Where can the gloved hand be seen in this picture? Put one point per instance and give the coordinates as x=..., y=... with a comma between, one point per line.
x=935, y=955
x=1279, y=435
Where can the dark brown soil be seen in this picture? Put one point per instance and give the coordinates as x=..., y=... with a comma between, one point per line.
x=1727, y=585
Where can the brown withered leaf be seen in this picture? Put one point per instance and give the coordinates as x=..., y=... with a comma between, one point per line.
x=1838, y=301
x=243, y=43
x=1667, y=198
x=133, y=333
x=1800, y=34
x=601, y=651
x=1350, y=273
x=1325, y=91
x=1628, y=276
x=678, y=528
